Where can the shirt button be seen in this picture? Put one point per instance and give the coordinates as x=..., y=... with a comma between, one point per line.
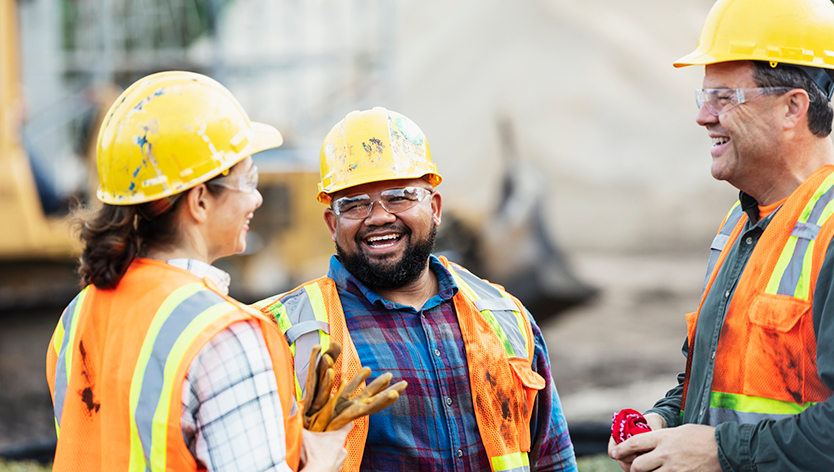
x=749, y=240
x=459, y=453
x=437, y=352
x=701, y=413
x=449, y=401
x=713, y=354
x=727, y=294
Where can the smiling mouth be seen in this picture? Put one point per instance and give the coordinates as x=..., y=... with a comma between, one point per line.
x=719, y=141
x=382, y=242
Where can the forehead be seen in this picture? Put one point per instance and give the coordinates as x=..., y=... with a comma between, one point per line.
x=735, y=74
x=376, y=187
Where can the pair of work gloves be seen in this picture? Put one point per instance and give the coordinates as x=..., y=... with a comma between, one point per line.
x=327, y=411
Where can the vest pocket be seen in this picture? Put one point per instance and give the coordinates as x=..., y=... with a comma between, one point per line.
x=528, y=384
x=776, y=356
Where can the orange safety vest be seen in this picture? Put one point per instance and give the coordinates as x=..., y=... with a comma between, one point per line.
x=499, y=351
x=117, y=361
x=765, y=362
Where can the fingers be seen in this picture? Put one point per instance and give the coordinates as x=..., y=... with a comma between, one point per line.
x=334, y=350
x=310, y=388
x=375, y=387
x=344, y=399
x=326, y=412
x=624, y=464
x=626, y=450
x=323, y=394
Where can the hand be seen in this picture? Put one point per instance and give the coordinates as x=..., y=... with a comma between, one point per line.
x=656, y=422
x=687, y=448
x=324, y=452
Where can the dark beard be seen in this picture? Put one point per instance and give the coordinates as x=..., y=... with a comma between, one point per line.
x=407, y=270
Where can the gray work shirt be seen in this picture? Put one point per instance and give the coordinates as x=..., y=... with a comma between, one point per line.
x=804, y=442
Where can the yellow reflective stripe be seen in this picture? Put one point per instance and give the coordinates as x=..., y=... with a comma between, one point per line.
x=781, y=265
x=511, y=461
x=488, y=316
x=749, y=404
x=57, y=428
x=58, y=337
x=317, y=302
x=159, y=441
x=803, y=285
x=137, y=455
x=73, y=328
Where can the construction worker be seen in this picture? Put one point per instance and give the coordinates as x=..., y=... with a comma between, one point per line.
x=152, y=366
x=757, y=391
x=480, y=395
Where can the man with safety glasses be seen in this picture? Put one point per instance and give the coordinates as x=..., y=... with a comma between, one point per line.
x=757, y=391
x=480, y=394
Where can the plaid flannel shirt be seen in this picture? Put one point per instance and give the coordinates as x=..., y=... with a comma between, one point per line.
x=433, y=427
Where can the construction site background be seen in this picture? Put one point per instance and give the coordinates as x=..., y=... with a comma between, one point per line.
x=580, y=94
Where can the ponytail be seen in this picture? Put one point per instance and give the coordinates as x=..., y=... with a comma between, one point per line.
x=111, y=243
x=116, y=235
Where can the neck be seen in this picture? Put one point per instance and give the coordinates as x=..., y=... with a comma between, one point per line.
x=803, y=162
x=188, y=247
x=416, y=293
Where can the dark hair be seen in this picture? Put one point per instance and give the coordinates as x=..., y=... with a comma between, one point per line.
x=115, y=235
x=820, y=113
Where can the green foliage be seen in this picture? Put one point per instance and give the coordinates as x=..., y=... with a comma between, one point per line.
x=23, y=467
x=598, y=463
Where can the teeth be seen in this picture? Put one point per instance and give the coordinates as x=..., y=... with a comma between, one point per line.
x=719, y=141
x=382, y=238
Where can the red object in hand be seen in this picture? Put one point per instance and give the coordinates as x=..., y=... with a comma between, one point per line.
x=627, y=423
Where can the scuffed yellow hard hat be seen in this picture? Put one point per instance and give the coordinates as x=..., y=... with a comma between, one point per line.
x=169, y=132
x=371, y=146
x=799, y=32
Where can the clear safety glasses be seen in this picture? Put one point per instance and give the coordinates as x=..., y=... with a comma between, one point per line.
x=358, y=207
x=720, y=101
x=246, y=183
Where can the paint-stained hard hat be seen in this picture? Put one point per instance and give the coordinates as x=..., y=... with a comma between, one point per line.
x=370, y=146
x=169, y=132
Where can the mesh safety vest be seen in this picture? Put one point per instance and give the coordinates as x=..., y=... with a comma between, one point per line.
x=499, y=351
x=117, y=360
x=765, y=362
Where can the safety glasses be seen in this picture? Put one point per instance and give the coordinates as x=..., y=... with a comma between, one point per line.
x=246, y=183
x=358, y=207
x=720, y=101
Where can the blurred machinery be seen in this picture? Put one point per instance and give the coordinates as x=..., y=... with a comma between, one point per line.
x=117, y=41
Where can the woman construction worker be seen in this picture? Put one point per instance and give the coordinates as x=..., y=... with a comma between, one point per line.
x=153, y=366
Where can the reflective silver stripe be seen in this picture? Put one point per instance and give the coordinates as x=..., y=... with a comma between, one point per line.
x=506, y=316
x=152, y=381
x=304, y=327
x=805, y=231
x=721, y=239
x=518, y=469
x=722, y=415
x=495, y=304
x=300, y=312
x=61, y=374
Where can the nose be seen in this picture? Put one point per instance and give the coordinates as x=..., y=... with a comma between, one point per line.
x=378, y=215
x=259, y=198
x=704, y=117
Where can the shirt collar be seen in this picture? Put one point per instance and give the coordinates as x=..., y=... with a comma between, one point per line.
x=346, y=281
x=199, y=268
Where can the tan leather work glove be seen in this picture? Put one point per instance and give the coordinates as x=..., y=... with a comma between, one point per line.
x=324, y=411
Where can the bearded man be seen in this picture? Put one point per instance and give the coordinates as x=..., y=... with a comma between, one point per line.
x=480, y=395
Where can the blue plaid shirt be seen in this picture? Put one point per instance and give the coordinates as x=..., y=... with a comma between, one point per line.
x=432, y=426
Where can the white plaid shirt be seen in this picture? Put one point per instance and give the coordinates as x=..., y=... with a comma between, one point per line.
x=231, y=411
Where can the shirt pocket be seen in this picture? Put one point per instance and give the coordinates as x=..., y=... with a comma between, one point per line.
x=527, y=383
x=776, y=354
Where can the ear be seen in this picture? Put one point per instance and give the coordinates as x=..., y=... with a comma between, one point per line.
x=797, y=108
x=332, y=222
x=198, y=203
x=436, y=207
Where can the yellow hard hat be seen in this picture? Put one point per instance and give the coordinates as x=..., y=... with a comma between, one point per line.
x=798, y=32
x=370, y=146
x=169, y=132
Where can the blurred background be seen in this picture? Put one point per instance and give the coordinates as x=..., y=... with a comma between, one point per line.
x=574, y=172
